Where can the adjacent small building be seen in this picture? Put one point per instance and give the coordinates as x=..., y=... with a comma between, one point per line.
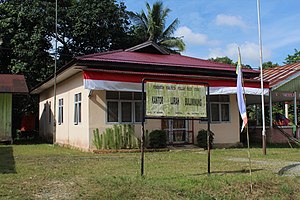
x=99, y=90
x=9, y=84
x=284, y=82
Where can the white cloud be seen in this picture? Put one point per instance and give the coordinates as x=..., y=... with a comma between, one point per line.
x=230, y=20
x=249, y=53
x=280, y=40
x=192, y=38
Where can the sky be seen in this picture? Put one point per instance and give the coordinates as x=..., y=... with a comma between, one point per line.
x=215, y=28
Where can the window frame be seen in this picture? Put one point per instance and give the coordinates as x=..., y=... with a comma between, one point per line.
x=112, y=100
x=220, y=103
x=60, y=111
x=77, y=108
x=133, y=102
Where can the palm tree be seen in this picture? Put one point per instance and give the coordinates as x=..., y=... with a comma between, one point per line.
x=151, y=27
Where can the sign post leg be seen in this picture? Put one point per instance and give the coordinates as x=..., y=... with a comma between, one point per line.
x=142, y=149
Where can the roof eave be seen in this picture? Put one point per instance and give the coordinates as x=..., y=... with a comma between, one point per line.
x=163, y=68
x=37, y=88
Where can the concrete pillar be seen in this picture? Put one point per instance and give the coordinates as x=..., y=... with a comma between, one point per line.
x=286, y=109
x=271, y=108
x=295, y=108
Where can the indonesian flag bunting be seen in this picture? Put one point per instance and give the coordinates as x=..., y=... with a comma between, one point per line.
x=132, y=82
x=239, y=93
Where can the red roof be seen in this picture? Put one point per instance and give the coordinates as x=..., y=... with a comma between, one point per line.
x=12, y=83
x=174, y=60
x=278, y=74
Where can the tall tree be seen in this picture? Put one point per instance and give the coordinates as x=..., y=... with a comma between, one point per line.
x=293, y=58
x=27, y=29
x=152, y=27
x=27, y=32
x=26, y=39
x=90, y=26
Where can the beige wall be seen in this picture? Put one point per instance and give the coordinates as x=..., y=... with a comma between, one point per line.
x=94, y=116
x=97, y=116
x=225, y=133
x=67, y=133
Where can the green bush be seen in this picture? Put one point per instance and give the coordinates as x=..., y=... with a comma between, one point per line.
x=202, y=139
x=158, y=139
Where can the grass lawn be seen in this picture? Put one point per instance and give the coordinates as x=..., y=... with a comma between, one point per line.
x=50, y=172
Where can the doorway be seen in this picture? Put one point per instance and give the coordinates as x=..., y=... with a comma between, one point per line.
x=177, y=130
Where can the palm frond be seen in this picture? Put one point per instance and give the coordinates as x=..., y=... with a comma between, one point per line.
x=172, y=43
x=171, y=28
x=151, y=26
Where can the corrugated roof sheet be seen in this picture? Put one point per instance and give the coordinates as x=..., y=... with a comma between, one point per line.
x=12, y=83
x=275, y=76
x=171, y=60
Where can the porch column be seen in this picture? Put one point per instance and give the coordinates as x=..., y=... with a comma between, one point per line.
x=295, y=108
x=286, y=109
x=271, y=108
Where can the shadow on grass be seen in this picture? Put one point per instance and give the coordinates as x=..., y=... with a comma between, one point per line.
x=236, y=171
x=7, y=161
x=30, y=141
x=243, y=171
x=269, y=145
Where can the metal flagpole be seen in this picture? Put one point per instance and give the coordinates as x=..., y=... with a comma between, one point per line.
x=261, y=82
x=247, y=127
x=55, y=66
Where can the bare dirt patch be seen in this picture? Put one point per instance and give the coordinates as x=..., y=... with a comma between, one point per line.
x=56, y=190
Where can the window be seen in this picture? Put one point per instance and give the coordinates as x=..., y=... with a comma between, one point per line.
x=138, y=111
x=60, y=111
x=77, y=109
x=126, y=112
x=124, y=107
x=219, y=108
x=113, y=114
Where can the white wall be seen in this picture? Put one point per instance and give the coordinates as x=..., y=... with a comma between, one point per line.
x=67, y=133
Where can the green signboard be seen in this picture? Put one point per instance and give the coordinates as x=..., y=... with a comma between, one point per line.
x=175, y=100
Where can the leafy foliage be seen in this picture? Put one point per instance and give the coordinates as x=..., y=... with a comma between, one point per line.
x=27, y=32
x=90, y=26
x=117, y=137
x=269, y=65
x=158, y=139
x=228, y=61
x=293, y=58
x=27, y=29
x=224, y=59
x=202, y=139
x=152, y=27
x=25, y=39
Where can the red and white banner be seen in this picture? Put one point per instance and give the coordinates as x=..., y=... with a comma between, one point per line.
x=132, y=81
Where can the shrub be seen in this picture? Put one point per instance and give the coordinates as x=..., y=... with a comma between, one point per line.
x=158, y=139
x=117, y=137
x=202, y=139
